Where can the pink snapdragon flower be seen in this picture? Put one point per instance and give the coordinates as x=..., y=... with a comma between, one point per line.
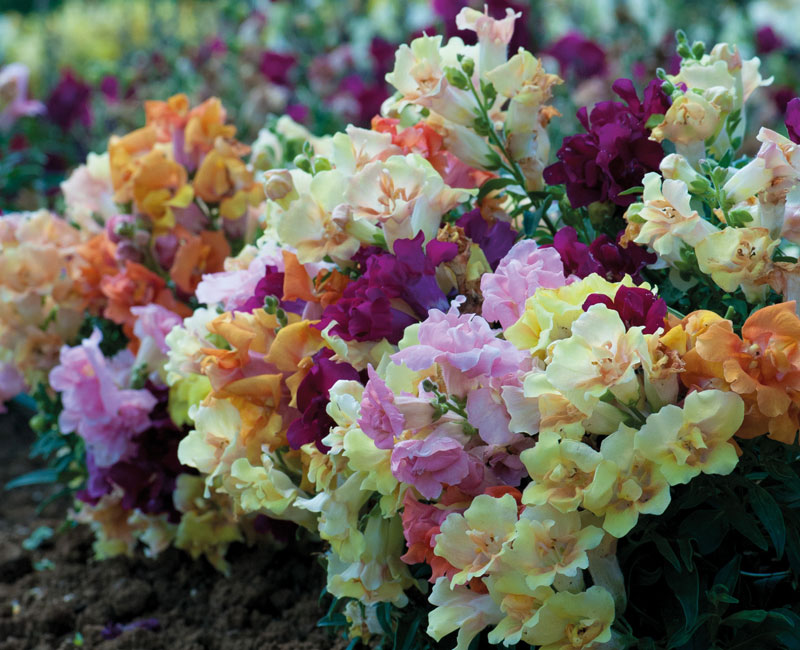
x=431, y=463
x=234, y=287
x=464, y=346
x=524, y=269
x=96, y=406
x=14, y=102
x=11, y=384
x=154, y=322
x=380, y=419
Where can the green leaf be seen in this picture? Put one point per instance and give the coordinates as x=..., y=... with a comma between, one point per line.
x=494, y=184
x=638, y=189
x=36, y=477
x=769, y=512
x=686, y=588
x=745, y=616
x=739, y=218
x=384, y=612
x=654, y=120
x=666, y=551
x=746, y=526
x=728, y=575
x=37, y=538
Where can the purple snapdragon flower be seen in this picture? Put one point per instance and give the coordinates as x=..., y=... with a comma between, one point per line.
x=370, y=309
x=615, y=153
x=636, y=307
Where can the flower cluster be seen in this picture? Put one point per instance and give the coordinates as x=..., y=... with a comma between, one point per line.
x=416, y=344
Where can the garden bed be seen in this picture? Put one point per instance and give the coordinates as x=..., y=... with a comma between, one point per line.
x=270, y=600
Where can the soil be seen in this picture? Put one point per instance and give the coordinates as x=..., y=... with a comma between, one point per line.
x=57, y=597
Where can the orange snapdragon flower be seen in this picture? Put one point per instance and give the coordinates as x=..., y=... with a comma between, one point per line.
x=423, y=139
x=97, y=260
x=197, y=255
x=159, y=185
x=204, y=125
x=125, y=157
x=136, y=285
x=167, y=116
x=224, y=178
x=325, y=288
x=763, y=367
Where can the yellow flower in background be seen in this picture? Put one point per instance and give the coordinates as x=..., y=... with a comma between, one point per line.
x=625, y=484
x=686, y=441
x=561, y=470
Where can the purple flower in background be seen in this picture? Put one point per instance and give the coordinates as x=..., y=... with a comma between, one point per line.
x=276, y=66
x=792, y=119
x=109, y=86
x=69, y=102
x=767, y=40
x=781, y=96
x=382, y=53
x=298, y=112
x=495, y=240
x=367, y=310
x=615, y=152
x=313, y=397
x=635, y=306
x=578, y=55
x=603, y=256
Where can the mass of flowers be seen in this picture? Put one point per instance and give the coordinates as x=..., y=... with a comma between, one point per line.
x=493, y=378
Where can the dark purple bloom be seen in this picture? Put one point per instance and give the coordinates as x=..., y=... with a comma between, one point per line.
x=495, y=240
x=617, y=262
x=147, y=478
x=781, y=96
x=603, y=256
x=615, y=152
x=282, y=531
x=382, y=53
x=276, y=66
x=313, y=395
x=367, y=96
x=579, y=56
x=109, y=86
x=69, y=102
x=272, y=285
x=792, y=119
x=636, y=307
x=368, y=309
x=298, y=112
x=767, y=40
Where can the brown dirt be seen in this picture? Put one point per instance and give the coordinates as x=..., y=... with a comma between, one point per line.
x=270, y=601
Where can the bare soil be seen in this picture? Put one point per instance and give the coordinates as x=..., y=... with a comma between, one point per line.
x=57, y=597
